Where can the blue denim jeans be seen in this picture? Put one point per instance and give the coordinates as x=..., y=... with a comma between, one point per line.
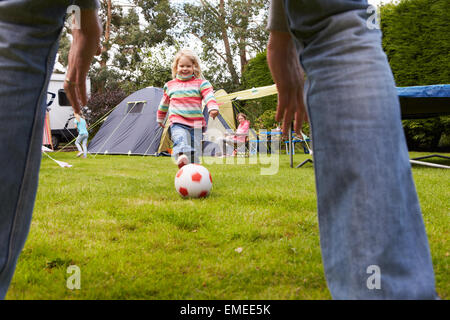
x=186, y=140
x=370, y=220
x=29, y=34
x=81, y=143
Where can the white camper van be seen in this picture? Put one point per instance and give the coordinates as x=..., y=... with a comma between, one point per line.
x=61, y=112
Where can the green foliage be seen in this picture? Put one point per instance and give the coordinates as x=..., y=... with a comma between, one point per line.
x=266, y=120
x=125, y=63
x=423, y=134
x=257, y=74
x=100, y=103
x=416, y=39
x=228, y=30
x=161, y=17
x=154, y=73
x=64, y=47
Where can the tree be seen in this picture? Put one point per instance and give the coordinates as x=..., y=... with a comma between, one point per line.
x=416, y=39
x=127, y=43
x=228, y=31
x=257, y=74
x=124, y=46
x=102, y=102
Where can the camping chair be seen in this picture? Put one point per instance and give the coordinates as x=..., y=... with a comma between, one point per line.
x=263, y=141
x=256, y=141
x=242, y=148
x=297, y=140
x=239, y=148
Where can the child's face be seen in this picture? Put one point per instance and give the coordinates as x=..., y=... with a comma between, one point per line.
x=185, y=67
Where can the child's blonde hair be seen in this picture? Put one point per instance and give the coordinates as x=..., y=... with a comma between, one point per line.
x=190, y=55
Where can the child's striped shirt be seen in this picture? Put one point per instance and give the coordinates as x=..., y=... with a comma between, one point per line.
x=183, y=100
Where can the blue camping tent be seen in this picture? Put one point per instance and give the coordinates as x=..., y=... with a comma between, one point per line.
x=131, y=128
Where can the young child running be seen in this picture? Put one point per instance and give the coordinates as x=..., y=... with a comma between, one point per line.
x=83, y=135
x=183, y=98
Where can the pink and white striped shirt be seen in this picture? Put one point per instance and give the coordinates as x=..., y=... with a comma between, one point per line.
x=183, y=100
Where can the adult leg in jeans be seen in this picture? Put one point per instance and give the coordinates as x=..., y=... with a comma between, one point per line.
x=369, y=214
x=29, y=33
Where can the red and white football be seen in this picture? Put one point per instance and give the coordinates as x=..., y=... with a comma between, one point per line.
x=193, y=181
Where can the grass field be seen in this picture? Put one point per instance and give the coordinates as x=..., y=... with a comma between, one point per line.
x=120, y=220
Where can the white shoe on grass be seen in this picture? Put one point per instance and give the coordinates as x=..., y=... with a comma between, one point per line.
x=182, y=161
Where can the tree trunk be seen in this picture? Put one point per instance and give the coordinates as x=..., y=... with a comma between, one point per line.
x=243, y=39
x=106, y=45
x=226, y=42
x=100, y=85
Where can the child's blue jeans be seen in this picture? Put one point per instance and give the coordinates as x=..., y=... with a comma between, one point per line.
x=186, y=140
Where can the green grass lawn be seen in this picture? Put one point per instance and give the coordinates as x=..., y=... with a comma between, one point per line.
x=120, y=220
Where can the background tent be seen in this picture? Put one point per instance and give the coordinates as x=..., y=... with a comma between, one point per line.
x=131, y=128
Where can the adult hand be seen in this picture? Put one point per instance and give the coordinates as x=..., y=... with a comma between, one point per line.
x=85, y=44
x=214, y=113
x=283, y=61
x=161, y=125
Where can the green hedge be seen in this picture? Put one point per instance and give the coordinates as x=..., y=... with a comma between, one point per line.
x=416, y=39
x=257, y=74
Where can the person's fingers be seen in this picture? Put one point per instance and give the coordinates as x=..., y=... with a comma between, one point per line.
x=281, y=106
x=299, y=116
x=71, y=88
x=289, y=102
x=300, y=113
x=81, y=89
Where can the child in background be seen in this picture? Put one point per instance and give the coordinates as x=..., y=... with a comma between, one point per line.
x=237, y=138
x=83, y=135
x=183, y=98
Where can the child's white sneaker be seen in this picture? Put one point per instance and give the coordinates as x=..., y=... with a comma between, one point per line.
x=182, y=161
x=79, y=154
